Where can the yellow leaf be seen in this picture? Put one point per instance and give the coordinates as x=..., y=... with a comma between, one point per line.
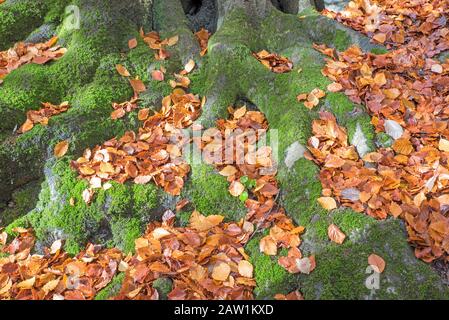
x=221, y=271
x=61, y=149
x=327, y=203
x=27, y=284
x=443, y=145
x=122, y=70
x=203, y=223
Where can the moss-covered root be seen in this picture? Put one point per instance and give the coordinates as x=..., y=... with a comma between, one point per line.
x=343, y=272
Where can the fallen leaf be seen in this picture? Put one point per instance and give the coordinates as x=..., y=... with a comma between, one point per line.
x=245, y=269
x=268, y=246
x=236, y=188
x=335, y=234
x=61, y=149
x=334, y=87
x=189, y=66
x=122, y=70
x=327, y=203
x=376, y=262
x=132, y=43
x=138, y=85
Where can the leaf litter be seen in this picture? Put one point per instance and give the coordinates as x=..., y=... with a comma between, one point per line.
x=25, y=53
x=406, y=93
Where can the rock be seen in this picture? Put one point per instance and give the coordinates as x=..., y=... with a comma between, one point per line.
x=359, y=141
x=393, y=129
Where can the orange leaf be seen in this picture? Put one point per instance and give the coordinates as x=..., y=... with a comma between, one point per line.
x=132, y=43
x=61, y=149
x=327, y=203
x=138, y=85
x=236, y=188
x=157, y=75
x=268, y=246
x=122, y=70
x=245, y=269
x=334, y=87
x=376, y=262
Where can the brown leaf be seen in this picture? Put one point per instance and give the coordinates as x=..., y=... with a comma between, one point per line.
x=376, y=262
x=335, y=234
x=245, y=269
x=236, y=188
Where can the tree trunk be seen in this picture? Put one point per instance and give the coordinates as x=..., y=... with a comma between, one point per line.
x=86, y=77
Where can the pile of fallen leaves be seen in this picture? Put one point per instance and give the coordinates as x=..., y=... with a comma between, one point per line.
x=274, y=62
x=53, y=275
x=24, y=53
x=421, y=24
x=42, y=115
x=407, y=93
x=154, y=41
x=205, y=260
x=149, y=155
x=311, y=99
x=231, y=148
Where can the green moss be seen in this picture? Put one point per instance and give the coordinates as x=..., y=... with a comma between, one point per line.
x=301, y=189
x=18, y=19
x=383, y=140
x=208, y=192
x=56, y=11
x=115, y=217
x=112, y=289
x=163, y=287
x=270, y=277
x=379, y=50
x=341, y=270
x=23, y=200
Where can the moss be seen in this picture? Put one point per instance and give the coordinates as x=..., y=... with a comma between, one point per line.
x=350, y=115
x=56, y=11
x=23, y=200
x=341, y=270
x=270, y=277
x=301, y=188
x=208, y=192
x=112, y=289
x=18, y=18
x=379, y=50
x=110, y=219
x=383, y=140
x=163, y=287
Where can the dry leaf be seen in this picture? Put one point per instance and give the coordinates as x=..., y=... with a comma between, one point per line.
x=236, y=188
x=335, y=234
x=61, y=149
x=376, y=262
x=245, y=269
x=122, y=70
x=327, y=203
x=221, y=271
